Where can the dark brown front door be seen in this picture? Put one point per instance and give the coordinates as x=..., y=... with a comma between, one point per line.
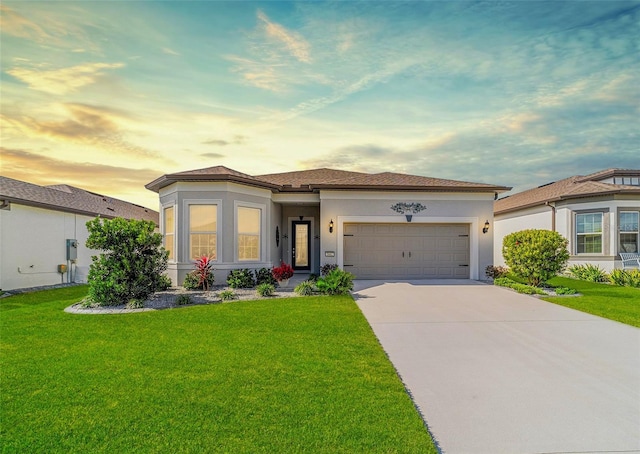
x=301, y=241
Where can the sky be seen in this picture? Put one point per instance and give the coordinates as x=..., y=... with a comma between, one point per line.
x=110, y=95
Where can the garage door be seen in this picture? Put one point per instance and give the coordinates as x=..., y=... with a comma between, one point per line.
x=407, y=251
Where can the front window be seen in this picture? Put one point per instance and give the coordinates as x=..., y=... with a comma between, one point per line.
x=589, y=233
x=203, y=231
x=169, y=231
x=248, y=223
x=629, y=232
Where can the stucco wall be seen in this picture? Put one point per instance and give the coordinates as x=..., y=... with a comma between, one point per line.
x=472, y=209
x=33, y=244
x=226, y=196
x=533, y=218
x=540, y=218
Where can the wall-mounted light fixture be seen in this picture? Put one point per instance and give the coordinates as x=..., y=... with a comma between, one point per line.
x=331, y=226
x=485, y=229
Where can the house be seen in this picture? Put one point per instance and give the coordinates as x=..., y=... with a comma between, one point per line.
x=597, y=213
x=377, y=226
x=43, y=231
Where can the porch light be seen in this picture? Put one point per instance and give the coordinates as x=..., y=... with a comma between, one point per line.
x=331, y=226
x=485, y=229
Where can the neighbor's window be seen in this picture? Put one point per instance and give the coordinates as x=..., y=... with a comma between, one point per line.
x=629, y=231
x=169, y=231
x=203, y=231
x=589, y=233
x=248, y=233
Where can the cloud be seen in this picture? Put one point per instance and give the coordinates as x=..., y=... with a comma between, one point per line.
x=15, y=24
x=237, y=139
x=64, y=80
x=212, y=155
x=169, y=51
x=294, y=43
x=105, y=179
x=92, y=125
x=217, y=142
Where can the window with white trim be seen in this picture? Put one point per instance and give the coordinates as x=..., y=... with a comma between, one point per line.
x=203, y=231
x=168, y=223
x=249, y=232
x=629, y=231
x=589, y=233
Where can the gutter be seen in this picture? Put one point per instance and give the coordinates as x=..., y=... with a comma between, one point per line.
x=552, y=205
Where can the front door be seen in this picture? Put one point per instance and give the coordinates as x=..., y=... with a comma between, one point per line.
x=301, y=241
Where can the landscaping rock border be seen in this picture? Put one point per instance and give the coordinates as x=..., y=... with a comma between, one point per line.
x=167, y=300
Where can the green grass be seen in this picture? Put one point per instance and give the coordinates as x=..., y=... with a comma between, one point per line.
x=288, y=375
x=609, y=301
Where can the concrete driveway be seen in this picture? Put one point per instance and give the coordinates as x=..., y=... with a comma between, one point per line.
x=493, y=371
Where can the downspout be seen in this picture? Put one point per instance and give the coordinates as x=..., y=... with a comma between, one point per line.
x=553, y=215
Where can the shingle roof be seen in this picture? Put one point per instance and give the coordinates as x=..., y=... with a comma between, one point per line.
x=577, y=186
x=71, y=199
x=315, y=179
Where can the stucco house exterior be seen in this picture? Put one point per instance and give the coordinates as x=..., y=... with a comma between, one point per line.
x=43, y=227
x=597, y=213
x=385, y=225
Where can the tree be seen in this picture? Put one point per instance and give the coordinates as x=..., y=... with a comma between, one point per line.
x=132, y=265
x=535, y=255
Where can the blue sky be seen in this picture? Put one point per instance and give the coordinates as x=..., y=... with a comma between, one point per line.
x=110, y=95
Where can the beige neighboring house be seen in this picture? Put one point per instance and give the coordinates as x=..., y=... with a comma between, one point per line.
x=597, y=213
x=377, y=226
x=43, y=227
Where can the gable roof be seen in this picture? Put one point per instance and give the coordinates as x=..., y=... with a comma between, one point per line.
x=316, y=179
x=577, y=186
x=72, y=200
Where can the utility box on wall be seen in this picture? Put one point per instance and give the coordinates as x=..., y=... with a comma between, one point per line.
x=72, y=249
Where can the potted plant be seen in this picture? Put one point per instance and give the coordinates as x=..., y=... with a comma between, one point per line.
x=282, y=274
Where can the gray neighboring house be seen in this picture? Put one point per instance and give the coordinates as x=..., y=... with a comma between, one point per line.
x=43, y=227
x=377, y=226
x=597, y=213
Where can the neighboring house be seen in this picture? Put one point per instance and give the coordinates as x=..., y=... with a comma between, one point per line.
x=385, y=225
x=597, y=213
x=42, y=227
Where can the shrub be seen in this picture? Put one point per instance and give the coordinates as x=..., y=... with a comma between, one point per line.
x=135, y=304
x=305, y=288
x=336, y=282
x=192, y=281
x=204, y=272
x=565, y=291
x=242, y=278
x=518, y=287
x=626, y=278
x=164, y=283
x=588, y=272
x=494, y=272
x=535, y=255
x=132, y=264
x=227, y=295
x=265, y=289
x=264, y=276
x=282, y=272
x=181, y=300
x=313, y=277
x=327, y=268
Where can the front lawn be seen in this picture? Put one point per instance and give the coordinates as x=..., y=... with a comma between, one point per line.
x=286, y=375
x=609, y=301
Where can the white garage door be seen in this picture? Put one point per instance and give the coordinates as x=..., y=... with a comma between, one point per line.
x=407, y=251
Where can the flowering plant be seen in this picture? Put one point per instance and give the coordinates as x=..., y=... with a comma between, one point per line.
x=282, y=272
x=204, y=272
